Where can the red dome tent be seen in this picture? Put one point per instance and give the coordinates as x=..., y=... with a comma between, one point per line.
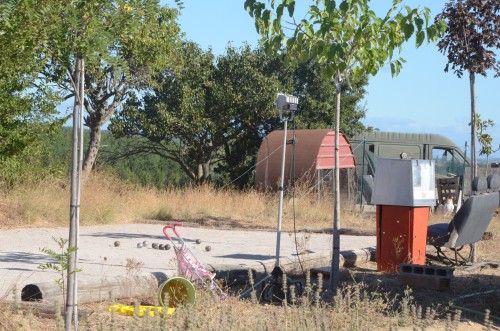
x=314, y=150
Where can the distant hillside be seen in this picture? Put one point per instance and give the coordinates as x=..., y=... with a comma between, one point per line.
x=143, y=170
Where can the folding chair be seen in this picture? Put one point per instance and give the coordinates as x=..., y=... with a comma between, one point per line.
x=467, y=226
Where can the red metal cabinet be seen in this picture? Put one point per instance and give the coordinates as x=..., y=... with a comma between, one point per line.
x=401, y=236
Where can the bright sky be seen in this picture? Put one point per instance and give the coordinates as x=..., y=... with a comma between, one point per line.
x=422, y=99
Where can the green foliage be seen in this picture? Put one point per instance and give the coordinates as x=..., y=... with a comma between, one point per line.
x=122, y=43
x=27, y=124
x=349, y=37
x=141, y=169
x=199, y=110
x=317, y=98
x=62, y=259
x=316, y=110
x=28, y=115
x=213, y=115
x=484, y=138
x=144, y=170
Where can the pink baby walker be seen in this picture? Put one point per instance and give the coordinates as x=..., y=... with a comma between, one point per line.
x=189, y=267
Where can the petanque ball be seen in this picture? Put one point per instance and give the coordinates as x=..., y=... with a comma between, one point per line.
x=139, y=245
x=167, y=247
x=117, y=243
x=161, y=246
x=208, y=248
x=154, y=245
x=145, y=243
x=198, y=241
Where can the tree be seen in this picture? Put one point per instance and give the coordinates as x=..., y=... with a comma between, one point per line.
x=317, y=109
x=318, y=98
x=485, y=139
x=349, y=39
x=27, y=109
x=107, y=48
x=472, y=35
x=199, y=110
x=145, y=170
x=122, y=45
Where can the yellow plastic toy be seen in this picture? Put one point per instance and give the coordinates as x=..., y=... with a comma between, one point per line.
x=150, y=310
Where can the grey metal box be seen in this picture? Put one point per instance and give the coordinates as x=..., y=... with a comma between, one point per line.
x=402, y=182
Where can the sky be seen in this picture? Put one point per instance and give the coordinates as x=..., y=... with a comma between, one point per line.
x=422, y=99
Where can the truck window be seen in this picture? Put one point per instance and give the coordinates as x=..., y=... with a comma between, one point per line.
x=448, y=162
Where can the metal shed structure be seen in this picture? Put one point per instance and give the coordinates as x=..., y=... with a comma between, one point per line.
x=314, y=150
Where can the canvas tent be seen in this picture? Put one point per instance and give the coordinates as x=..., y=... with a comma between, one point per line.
x=312, y=153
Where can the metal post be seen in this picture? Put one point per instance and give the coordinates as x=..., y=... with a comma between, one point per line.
x=79, y=184
x=71, y=289
x=463, y=172
x=318, y=184
x=362, y=176
x=287, y=105
x=281, y=189
x=335, y=266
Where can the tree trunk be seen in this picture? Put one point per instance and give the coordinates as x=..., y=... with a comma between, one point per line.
x=93, y=150
x=203, y=172
x=472, y=80
x=487, y=164
x=335, y=267
x=206, y=170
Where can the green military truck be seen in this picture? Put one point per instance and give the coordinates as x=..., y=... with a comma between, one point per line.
x=449, y=159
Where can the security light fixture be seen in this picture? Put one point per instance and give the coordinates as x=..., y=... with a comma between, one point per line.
x=287, y=105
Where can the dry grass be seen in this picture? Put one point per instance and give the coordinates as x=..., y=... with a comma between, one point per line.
x=106, y=200
x=354, y=307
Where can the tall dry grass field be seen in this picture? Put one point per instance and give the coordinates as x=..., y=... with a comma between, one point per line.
x=107, y=200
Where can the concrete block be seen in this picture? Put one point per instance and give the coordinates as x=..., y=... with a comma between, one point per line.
x=427, y=277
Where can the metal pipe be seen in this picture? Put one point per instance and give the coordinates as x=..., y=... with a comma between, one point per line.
x=281, y=189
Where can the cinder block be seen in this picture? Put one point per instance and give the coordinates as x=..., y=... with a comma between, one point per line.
x=428, y=277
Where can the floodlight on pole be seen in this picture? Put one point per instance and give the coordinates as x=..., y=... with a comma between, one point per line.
x=287, y=105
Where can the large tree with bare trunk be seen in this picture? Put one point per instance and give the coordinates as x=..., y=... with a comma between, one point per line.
x=470, y=41
x=123, y=44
